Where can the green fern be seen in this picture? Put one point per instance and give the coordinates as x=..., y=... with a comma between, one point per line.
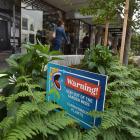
x=33, y=116
x=69, y=134
x=120, y=120
x=6, y=123
x=12, y=98
x=91, y=134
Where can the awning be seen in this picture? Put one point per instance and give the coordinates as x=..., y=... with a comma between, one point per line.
x=67, y=5
x=71, y=7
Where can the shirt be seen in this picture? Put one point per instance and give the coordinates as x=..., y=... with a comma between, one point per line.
x=60, y=34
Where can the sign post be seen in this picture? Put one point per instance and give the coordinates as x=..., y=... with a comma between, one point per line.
x=78, y=92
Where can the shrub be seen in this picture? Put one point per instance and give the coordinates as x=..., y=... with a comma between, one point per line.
x=31, y=117
x=97, y=59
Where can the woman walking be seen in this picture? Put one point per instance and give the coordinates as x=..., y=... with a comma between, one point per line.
x=60, y=35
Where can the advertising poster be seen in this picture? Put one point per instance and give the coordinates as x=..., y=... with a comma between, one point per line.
x=77, y=91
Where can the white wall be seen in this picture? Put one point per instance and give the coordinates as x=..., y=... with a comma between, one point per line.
x=34, y=17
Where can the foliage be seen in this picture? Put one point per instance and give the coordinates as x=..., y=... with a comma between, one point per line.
x=121, y=118
x=97, y=59
x=29, y=114
x=30, y=117
x=102, y=11
x=108, y=10
x=135, y=44
x=31, y=63
x=70, y=133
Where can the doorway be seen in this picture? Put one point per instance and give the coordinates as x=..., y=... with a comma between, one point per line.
x=4, y=41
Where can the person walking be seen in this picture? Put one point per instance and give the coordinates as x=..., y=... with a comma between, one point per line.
x=85, y=42
x=59, y=35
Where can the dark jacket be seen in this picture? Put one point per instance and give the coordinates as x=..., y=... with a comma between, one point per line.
x=60, y=35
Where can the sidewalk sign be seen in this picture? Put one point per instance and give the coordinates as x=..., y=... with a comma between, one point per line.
x=77, y=92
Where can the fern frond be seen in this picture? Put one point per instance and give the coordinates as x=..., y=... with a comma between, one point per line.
x=135, y=93
x=123, y=84
x=129, y=110
x=36, y=125
x=110, y=119
x=55, y=119
x=110, y=134
x=21, y=132
x=91, y=134
x=11, y=99
x=6, y=122
x=130, y=119
x=26, y=109
x=135, y=132
x=39, y=96
x=119, y=74
x=69, y=134
x=29, y=128
x=47, y=107
x=29, y=107
x=23, y=79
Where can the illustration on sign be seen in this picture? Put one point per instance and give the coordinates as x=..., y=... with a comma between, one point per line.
x=78, y=92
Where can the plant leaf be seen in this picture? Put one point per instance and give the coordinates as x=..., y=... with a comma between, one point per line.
x=101, y=69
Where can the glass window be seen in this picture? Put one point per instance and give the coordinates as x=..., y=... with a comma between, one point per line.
x=24, y=23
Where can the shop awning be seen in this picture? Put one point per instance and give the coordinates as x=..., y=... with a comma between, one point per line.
x=70, y=8
x=67, y=5
x=63, y=5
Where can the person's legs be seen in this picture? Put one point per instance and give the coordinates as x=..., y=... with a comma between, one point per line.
x=57, y=46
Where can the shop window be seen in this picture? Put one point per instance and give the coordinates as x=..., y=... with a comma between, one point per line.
x=31, y=38
x=24, y=23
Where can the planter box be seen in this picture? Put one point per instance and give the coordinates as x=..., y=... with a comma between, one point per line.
x=69, y=60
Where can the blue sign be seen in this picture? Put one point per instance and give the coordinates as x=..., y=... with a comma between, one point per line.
x=78, y=92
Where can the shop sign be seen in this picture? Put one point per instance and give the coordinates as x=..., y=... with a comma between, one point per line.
x=78, y=92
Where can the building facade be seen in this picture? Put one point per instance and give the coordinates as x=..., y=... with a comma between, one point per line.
x=9, y=25
x=22, y=23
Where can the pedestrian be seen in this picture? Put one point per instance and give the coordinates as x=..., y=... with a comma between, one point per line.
x=85, y=42
x=67, y=47
x=110, y=47
x=59, y=35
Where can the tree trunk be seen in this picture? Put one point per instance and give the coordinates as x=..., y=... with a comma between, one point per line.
x=106, y=33
x=128, y=34
x=125, y=23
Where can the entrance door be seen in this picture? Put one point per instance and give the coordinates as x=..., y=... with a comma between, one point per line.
x=4, y=41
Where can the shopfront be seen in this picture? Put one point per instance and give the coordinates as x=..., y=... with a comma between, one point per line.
x=80, y=29
x=42, y=17
x=9, y=25
x=45, y=25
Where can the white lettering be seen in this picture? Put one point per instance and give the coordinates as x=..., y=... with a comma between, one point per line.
x=84, y=87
